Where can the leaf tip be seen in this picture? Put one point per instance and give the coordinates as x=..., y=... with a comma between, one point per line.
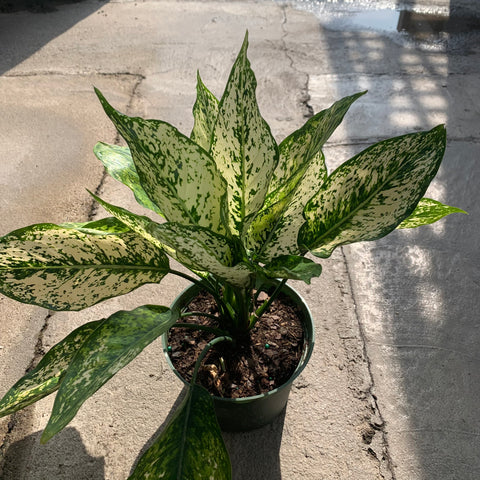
x=46, y=436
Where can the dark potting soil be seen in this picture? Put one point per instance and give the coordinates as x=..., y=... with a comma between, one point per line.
x=264, y=360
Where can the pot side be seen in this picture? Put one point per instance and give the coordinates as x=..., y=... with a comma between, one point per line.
x=249, y=413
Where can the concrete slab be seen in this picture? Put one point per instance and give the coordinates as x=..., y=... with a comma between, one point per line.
x=387, y=314
x=327, y=430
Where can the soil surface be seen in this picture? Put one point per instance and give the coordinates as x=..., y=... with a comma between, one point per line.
x=261, y=361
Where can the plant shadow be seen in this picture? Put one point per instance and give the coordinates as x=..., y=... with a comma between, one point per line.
x=254, y=455
x=63, y=458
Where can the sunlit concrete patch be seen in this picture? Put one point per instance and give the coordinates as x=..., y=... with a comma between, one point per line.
x=400, y=104
x=424, y=25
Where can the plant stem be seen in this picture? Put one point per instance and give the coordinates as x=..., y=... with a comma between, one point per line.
x=216, y=331
x=198, y=314
x=207, y=347
x=266, y=305
x=204, y=284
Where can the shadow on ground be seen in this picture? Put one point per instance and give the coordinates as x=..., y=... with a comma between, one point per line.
x=425, y=282
x=21, y=35
x=62, y=458
x=254, y=455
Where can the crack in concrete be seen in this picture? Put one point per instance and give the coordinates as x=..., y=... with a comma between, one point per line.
x=385, y=462
x=305, y=97
x=39, y=349
x=14, y=421
x=59, y=73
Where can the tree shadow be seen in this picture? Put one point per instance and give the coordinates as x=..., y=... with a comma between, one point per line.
x=22, y=34
x=418, y=291
x=254, y=455
x=62, y=458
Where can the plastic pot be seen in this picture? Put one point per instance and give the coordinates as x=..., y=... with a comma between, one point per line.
x=248, y=413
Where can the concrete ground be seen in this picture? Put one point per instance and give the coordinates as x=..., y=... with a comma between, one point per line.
x=392, y=389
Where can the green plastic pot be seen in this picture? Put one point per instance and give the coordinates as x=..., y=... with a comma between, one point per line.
x=249, y=413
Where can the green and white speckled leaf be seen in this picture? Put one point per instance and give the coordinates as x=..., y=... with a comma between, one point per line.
x=66, y=269
x=274, y=231
x=191, y=446
x=205, y=251
x=242, y=145
x=111, y=346
x=205, y=111
x=119, y=164
x=105, y=226
x=428, y=211
x=293, y=267
x=372, y=193
x=46, y=377
x=177, y=175
x=144, y=227
x=137, y=223
x=300, y=173
x=298, y=149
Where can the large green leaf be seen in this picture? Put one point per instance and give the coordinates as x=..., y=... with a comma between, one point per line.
x=300, y=173
x=205, y=251
x=372, y=193
x=119, y=164
x=105, y=226
x=191, y=446
x=274, y=231
x=205, y=111
x=140, y=224
x=242, y=145
x=197, y=248
x=111, y=346
x=428, y=211
x=62, y=268
x=46, y=377
x=178, y=175
x=299, y=148
x=293, y=267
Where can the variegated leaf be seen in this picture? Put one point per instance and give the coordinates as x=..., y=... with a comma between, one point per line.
x=119, y=164
x=105, y=226
x=62, y=268
x=274, y=232
x=144, y=227
x=177, y=175
x=369, y=195
x=298, y=149
x=140, y=224
x=190, y=447
x=111, y=346
x=205, y=111
x=293, y=267
x=205, y=251
x=428, y=211
x=242, y=145
x=46, y=377
x=300, y=173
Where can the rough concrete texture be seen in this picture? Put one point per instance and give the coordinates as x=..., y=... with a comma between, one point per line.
x=393, y=384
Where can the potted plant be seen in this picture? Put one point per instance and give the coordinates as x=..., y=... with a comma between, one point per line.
x=240, y=213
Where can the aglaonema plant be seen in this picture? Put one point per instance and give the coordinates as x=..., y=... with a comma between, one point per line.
x=239, y=212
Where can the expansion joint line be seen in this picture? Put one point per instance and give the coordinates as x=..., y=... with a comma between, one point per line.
x=373, y=398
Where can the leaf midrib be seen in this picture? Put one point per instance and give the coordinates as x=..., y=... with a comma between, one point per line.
x=359, y=206
x=85, y=267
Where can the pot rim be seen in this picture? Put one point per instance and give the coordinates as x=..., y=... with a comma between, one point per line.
x=309, y=343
